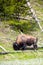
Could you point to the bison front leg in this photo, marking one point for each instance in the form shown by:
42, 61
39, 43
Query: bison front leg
24, 46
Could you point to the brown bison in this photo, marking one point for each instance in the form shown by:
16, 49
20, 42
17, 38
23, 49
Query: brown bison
24, 40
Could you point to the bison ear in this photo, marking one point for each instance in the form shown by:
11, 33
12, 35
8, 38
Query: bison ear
15, 46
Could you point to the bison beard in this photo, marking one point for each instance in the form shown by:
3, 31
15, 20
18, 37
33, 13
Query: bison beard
25, 40
21, 46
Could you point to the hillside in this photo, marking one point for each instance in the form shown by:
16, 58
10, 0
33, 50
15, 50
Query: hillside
9, 30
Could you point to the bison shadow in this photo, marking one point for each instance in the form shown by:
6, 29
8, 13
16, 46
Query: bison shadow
27, 48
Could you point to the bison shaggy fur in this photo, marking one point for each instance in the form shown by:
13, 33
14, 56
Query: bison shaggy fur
24, 40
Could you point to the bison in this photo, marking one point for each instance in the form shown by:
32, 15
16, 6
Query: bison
24, 40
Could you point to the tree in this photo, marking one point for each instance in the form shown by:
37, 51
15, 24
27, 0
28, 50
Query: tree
10, 7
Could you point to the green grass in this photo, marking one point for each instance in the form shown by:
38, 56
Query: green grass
8, 33
22, 55
31, 54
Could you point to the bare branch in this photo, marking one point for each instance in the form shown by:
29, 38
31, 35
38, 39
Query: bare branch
34, 14
3, 48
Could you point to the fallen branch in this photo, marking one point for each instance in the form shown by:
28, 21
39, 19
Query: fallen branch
3, 49
21, 17
25, 51
34, 14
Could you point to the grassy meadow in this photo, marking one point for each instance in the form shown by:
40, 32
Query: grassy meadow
8, 35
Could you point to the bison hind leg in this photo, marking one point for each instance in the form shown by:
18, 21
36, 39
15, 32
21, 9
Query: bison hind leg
35, 47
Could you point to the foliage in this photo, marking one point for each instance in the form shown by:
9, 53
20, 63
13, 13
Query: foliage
16, 7
40, 1
23, 25
12, 6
